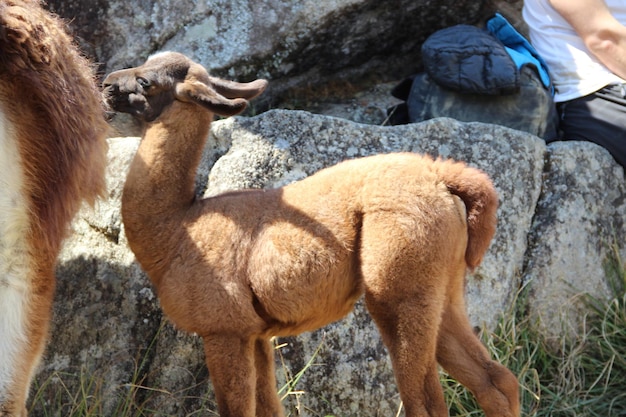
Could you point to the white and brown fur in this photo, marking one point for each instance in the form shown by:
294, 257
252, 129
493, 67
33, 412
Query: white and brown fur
52, 157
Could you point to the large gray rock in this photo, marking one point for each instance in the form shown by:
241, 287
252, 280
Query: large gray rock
560, 207
578, 235
296, 44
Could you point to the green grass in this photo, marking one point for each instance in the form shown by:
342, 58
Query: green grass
585, 376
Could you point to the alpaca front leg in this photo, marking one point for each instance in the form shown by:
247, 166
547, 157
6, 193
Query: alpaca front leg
267, 401
231, 367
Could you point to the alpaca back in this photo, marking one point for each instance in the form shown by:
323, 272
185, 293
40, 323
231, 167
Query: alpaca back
395, 174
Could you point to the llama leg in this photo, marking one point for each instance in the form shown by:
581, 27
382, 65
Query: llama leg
462, 354
267, 401
409, 330
24, 322
13, 343
25, 299
231, 367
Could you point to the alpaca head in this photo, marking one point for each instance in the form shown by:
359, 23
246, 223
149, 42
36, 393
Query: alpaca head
146, 91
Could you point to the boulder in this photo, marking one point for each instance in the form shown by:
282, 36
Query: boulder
560, 221
298, 45
577, 236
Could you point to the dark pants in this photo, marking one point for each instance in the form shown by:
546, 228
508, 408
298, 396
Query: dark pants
600, 118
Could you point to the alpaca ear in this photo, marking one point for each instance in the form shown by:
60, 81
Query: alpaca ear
232, 89
203, 95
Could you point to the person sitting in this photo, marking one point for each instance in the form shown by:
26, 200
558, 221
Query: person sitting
584, 45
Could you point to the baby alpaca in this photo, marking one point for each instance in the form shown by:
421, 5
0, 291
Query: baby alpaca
244, 266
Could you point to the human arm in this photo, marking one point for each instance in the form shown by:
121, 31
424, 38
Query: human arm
603, 35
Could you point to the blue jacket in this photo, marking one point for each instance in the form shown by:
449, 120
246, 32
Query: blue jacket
471, 60
518, 48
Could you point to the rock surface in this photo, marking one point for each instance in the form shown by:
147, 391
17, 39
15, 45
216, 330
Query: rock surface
296, 44
557, 222
577, 236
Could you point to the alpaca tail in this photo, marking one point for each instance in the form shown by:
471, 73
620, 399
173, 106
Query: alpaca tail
476, 190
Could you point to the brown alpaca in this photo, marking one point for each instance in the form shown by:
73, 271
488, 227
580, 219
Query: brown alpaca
52, 157
244, 266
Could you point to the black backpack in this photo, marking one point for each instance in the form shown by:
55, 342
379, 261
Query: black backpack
470, 75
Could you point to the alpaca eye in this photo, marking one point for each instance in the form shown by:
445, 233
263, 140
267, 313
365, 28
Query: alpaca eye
143, 82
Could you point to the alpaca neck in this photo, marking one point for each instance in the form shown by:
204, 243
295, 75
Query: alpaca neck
160, 185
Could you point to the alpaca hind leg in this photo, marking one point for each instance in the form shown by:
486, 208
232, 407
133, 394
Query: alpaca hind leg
231, 367
267, 401
404, 278
409, 330
462, 355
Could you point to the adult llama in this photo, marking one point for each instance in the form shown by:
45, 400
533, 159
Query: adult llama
52, 158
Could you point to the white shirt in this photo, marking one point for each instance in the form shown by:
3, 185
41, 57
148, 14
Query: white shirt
574, 70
